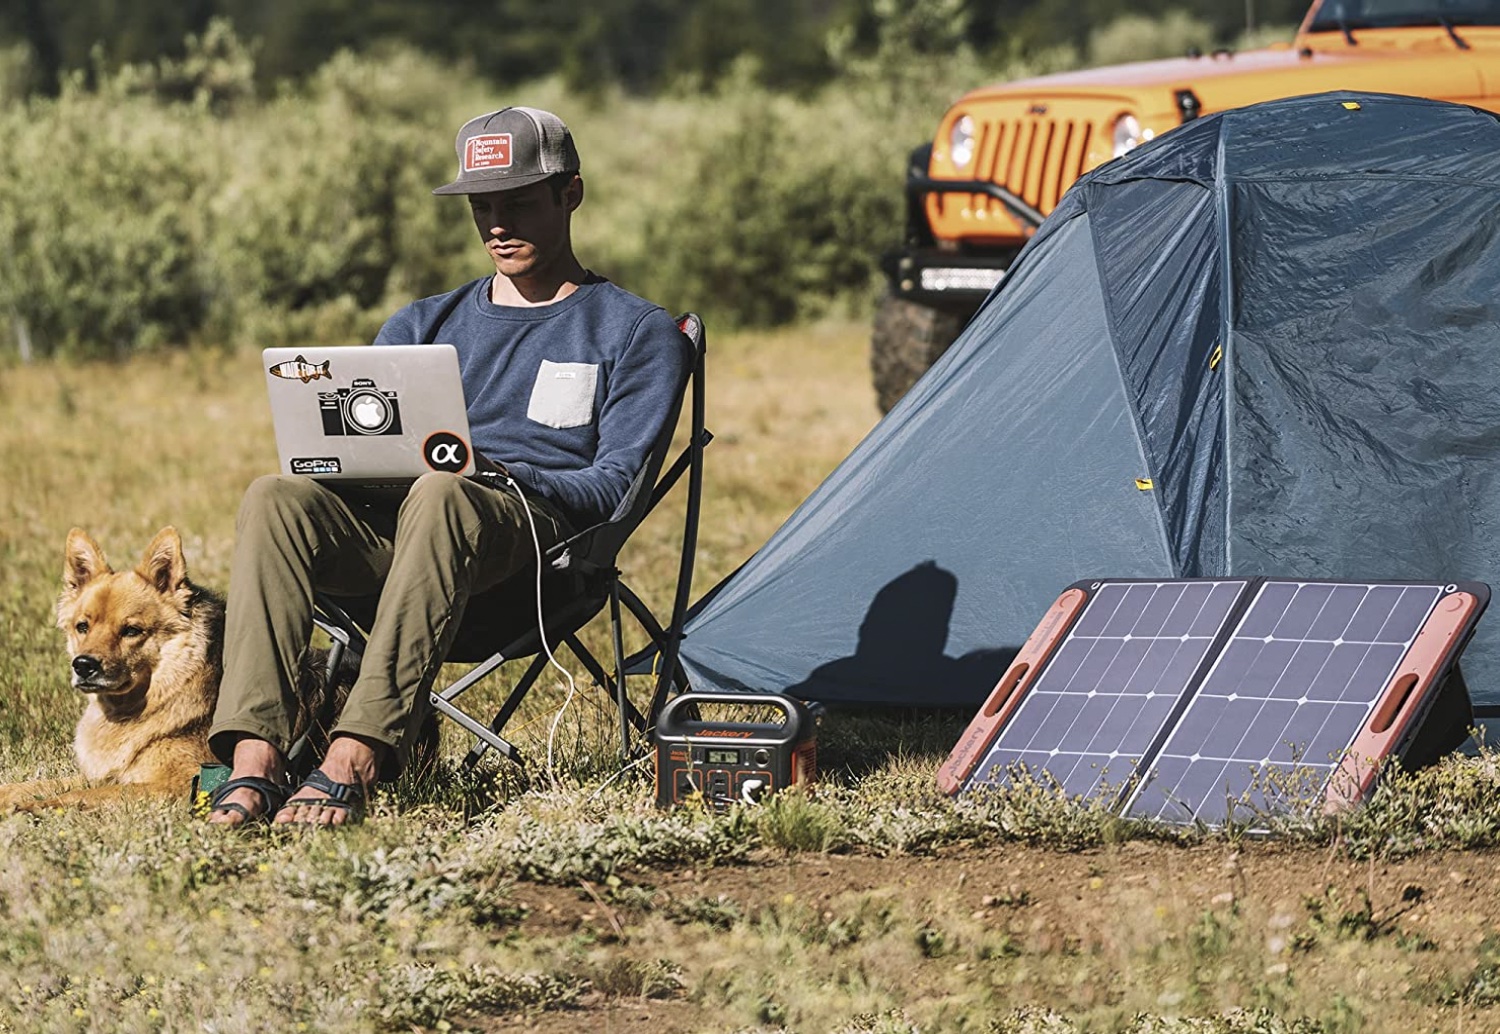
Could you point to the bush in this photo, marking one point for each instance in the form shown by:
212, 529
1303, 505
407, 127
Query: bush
783, 211
99, 231
167, 205
325, 221
1135, 37
216, 72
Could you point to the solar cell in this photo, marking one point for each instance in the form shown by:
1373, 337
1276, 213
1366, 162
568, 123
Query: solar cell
1215, 700
1113, 683
1298, 679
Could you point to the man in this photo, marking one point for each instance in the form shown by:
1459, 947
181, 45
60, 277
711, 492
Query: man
568, 381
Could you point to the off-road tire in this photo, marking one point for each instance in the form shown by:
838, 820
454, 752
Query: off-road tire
907, 339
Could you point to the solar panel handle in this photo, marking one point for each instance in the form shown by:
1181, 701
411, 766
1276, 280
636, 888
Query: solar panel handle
1006, 696
1430, 654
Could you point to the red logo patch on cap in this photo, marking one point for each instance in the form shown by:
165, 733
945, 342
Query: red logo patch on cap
491, 151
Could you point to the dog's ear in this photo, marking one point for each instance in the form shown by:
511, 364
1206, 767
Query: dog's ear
163, 565
83, 560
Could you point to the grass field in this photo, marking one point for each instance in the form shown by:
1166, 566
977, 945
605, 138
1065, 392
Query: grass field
493, 902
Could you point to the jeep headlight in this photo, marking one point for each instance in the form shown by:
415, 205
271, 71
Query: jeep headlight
961, 142
1128, 134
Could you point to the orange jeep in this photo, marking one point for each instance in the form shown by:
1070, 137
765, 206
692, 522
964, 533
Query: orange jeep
1004, 155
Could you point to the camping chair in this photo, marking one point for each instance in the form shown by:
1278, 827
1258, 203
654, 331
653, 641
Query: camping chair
579, 579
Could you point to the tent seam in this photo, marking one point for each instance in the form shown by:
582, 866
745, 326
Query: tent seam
1226, 364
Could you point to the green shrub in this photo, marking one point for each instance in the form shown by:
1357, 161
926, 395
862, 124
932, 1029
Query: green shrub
1136, 37
130, 219
99, 225
792, 821
167, 204
785, 211
325, 220
217, 71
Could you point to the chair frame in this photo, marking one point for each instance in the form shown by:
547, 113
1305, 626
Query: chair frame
567, 619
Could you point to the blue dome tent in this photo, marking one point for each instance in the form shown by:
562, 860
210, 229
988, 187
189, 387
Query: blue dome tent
1267, 343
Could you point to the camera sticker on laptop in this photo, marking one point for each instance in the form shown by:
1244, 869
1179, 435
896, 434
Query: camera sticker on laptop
360, 409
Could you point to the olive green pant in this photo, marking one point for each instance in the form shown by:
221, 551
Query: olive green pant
449, 538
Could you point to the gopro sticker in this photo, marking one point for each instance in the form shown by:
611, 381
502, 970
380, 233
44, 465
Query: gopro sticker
316, 465
491, 151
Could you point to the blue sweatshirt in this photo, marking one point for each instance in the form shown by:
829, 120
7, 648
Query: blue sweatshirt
569, 396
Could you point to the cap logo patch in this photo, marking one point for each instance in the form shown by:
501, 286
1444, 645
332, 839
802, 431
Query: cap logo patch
491, 151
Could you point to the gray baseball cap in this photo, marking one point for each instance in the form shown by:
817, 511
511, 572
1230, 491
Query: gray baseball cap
509, 148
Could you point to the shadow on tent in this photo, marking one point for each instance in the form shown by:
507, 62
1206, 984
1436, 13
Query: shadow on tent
903, 638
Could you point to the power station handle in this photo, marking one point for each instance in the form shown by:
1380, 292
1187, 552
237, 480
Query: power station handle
670, 723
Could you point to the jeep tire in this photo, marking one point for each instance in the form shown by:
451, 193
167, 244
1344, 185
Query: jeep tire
908, 338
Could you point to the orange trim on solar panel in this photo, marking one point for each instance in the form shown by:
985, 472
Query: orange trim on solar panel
1008, 692
1424, 660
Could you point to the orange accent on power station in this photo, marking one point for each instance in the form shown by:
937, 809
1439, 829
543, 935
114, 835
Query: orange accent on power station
1007, 694
1440, 635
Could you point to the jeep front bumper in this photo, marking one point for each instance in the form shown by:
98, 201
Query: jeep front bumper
945, 279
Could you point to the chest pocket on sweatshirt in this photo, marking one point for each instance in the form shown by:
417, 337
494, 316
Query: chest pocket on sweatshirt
563, 395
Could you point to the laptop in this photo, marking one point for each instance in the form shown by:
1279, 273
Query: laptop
368, 416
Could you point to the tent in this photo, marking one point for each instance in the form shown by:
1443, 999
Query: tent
1267, 343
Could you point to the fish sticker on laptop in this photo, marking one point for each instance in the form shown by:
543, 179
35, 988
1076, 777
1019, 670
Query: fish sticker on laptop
299, 369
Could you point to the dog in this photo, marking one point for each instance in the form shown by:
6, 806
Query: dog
146, 648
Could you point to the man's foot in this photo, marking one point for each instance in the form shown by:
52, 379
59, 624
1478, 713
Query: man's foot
255, 761
350, 761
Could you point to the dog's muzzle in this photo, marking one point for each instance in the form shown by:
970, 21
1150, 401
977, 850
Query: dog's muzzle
86, 671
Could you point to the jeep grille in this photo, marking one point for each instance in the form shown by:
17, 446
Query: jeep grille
1034, 157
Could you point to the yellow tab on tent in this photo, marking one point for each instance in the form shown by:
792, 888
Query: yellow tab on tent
1213, 360
1145, 484
1351, 105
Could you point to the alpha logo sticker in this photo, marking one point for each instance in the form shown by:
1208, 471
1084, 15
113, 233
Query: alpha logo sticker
491, 151
444, 450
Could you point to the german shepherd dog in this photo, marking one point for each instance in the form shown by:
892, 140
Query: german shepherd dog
146, 647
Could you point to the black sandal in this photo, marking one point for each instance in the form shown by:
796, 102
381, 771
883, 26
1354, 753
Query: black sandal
272, 796
348, 796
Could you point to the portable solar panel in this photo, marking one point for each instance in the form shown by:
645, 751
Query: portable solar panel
1206, 700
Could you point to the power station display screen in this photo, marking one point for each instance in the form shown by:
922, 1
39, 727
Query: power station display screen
721, 757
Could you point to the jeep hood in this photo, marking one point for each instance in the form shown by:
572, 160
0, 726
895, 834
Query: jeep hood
1231, 80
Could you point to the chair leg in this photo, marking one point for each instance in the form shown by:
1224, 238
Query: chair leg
622, 700
665, 679
632, 716
489, 737
345, 638
480, 732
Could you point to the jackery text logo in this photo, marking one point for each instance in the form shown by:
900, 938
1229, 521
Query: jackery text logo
491, 151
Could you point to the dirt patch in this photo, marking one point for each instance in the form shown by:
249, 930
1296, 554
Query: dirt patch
1134, 928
